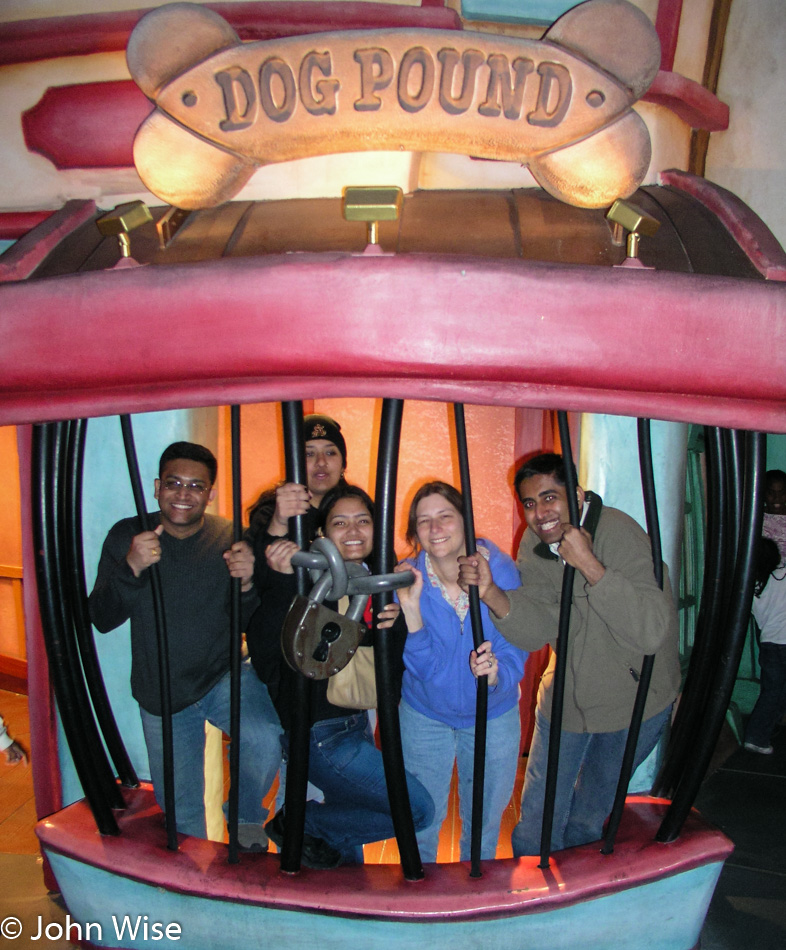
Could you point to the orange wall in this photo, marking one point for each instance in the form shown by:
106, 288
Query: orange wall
12, 641
428, 451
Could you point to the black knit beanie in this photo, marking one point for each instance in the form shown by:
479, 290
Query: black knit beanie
316, 426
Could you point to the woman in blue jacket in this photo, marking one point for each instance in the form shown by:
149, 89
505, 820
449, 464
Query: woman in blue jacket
437, 709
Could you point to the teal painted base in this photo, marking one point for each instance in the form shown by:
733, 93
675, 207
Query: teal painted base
663, 915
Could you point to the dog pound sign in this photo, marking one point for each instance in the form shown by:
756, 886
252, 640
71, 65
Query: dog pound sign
561, 105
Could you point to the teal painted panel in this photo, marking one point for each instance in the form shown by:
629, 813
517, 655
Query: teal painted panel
665, 915
516, 11
610, 466
776, 451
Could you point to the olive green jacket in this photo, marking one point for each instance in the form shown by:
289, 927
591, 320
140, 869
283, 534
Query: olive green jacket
613, 625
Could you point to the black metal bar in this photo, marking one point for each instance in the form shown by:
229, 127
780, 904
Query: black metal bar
561, 661
163, 640
482, 695
733, 453
45, 489
99, 761
735, 629
235, 634
81, 617
708, 627
300, 726
650, 499
653, 529
387, 701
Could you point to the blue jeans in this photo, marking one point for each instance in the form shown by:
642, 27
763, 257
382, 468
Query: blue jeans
589, 766
260, 751
346, 765
771, 704
431, 747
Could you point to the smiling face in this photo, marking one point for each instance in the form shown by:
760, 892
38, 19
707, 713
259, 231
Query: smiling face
775, 497
545, 503
440, 527
324, 466
183, 492
350, 527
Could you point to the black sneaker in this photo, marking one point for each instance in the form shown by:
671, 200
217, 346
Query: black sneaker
316, 853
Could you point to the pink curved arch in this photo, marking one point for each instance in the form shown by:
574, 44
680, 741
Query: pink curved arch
633, 342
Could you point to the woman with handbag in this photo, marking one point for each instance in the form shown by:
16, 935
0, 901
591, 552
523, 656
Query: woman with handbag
344, 762
437, 710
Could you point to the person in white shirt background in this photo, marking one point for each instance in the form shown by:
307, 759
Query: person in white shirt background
14, 753
769, 610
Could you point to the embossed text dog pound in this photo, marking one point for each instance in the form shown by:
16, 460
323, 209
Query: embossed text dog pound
562, 105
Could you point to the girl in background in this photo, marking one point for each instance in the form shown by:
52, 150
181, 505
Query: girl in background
769, 609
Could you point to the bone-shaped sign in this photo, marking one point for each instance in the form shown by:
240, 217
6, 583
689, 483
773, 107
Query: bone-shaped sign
562, 105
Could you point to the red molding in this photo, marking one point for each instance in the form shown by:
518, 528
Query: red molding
694, 104
13, 666
467, 329
13, 674
27, 41
20, 260
667, 26
15, 224
745, 226
90, 125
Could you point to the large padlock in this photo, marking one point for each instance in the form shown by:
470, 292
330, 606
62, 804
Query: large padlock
315, 640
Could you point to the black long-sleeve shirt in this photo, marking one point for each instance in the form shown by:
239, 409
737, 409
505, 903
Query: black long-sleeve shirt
196, 587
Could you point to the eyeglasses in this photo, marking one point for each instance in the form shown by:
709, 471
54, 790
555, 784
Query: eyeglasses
195, 488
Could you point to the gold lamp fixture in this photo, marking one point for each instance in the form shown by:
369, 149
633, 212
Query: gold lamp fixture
124, 219
372, 204
625, 216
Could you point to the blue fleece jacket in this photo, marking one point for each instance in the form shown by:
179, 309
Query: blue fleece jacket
438, 681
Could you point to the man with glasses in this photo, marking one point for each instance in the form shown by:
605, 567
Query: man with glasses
196, 559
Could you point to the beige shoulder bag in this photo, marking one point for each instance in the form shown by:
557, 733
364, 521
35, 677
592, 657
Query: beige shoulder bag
355, 686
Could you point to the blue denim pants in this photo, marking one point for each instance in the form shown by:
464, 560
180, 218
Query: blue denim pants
260, 751
346, 765
589, 767
430, 749
771, 704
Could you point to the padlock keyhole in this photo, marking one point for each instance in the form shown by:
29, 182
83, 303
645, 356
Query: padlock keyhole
330, 633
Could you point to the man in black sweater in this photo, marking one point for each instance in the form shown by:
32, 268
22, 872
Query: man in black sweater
196, 559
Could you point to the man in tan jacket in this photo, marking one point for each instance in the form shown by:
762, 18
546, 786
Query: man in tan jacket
618, 616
